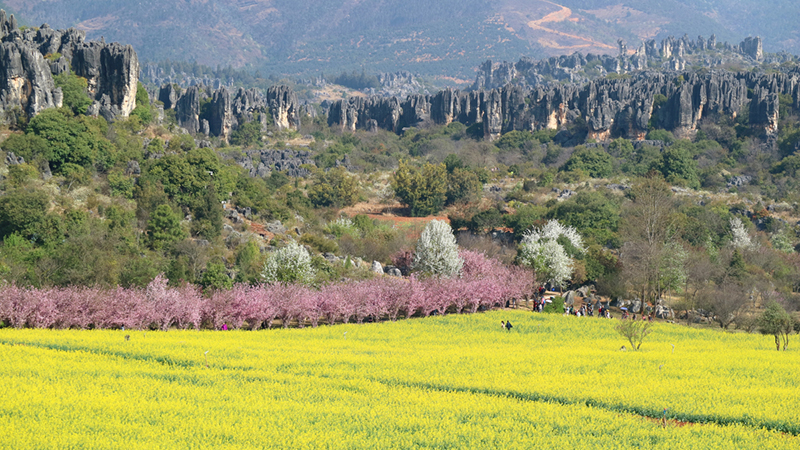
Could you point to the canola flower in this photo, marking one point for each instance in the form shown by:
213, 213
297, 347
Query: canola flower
457, 381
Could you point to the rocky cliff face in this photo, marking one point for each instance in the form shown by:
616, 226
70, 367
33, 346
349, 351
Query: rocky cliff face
221, 120
153, 74
112, 72
227, 110
284, 107
26, 81
26, 84
764, 111
168, 95
753, 48
187, 109
609, 107
671, 54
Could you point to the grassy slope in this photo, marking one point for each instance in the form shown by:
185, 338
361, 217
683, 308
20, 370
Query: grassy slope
457, 381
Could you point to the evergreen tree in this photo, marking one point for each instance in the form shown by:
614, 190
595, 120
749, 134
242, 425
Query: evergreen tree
164, 228
207, 221
216, 277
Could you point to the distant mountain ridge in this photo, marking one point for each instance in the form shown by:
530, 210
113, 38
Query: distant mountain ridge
443, 37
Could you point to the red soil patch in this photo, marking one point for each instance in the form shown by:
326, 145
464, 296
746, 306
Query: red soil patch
408, 220
393, 212
259, 229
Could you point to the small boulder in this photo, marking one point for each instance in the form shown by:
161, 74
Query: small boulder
133, 168
276, 227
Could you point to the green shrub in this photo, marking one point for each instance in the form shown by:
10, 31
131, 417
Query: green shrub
319, 243
142, 110
661, 135
77, 140
514, 140
462, 186
247, 135
678, 166
207, 215
423, 189
19, 174
75, 93
216, 277
121, 184
486, 220
335, 188
23, 212
596, 163
363, 223
28, 146
557, 307
342, 226
74, 175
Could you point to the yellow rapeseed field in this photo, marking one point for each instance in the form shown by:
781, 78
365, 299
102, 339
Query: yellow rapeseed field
442, 382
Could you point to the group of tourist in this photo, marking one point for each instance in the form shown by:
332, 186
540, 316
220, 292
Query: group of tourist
625, 315
587, 309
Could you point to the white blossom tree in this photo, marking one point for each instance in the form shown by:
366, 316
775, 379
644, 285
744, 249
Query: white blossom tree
541, 251
672, 273
782, 241
741, 239
290, 264
436, 252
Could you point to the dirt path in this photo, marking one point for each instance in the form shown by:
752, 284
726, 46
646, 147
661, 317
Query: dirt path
559, 16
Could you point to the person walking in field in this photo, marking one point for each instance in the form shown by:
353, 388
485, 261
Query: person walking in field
509, 326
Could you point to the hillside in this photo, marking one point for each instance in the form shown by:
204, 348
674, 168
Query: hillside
445, 37
290, 36
595, 25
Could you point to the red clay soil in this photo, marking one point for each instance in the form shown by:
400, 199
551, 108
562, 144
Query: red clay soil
392, 212
259, 229
255, 227
401, 220
395, 213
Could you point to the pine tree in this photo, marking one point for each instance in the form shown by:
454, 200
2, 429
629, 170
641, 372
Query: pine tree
207, 221
164, 228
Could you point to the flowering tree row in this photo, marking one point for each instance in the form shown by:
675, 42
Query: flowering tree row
483, 283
